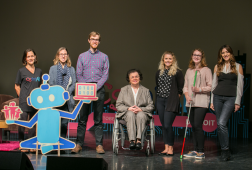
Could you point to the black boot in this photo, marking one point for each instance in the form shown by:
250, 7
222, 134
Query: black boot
225, 155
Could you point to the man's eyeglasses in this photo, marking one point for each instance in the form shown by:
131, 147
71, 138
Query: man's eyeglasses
94, 39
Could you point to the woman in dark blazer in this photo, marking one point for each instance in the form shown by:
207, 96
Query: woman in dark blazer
135, 106
63, 74
169, 82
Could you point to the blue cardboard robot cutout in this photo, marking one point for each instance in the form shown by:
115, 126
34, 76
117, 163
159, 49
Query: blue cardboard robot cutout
48, 119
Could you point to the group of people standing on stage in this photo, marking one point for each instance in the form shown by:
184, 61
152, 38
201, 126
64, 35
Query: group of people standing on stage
92, 66
134, 103
226, 89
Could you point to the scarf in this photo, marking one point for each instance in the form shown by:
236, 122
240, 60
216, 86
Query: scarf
63, 75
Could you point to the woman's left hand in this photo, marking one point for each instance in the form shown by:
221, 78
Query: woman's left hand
195, 89
137, 109
237, 107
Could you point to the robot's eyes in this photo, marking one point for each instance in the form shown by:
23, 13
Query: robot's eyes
51, 97
40, 99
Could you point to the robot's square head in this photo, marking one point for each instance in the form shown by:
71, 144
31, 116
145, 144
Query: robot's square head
46, 96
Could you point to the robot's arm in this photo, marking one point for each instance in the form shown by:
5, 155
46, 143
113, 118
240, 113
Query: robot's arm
75, 112
28, 124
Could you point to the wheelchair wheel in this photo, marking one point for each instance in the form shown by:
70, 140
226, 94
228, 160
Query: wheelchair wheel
115, 137
116, 150
113, 141
147, 151
152, 138
116, 144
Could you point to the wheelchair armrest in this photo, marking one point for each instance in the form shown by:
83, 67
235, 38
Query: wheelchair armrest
123, 122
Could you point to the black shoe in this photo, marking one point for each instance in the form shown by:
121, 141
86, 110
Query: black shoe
170, 154
138, 146
132, 145
162, 153
225, 155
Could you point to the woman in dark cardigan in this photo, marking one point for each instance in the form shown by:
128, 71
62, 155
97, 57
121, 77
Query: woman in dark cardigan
170, 82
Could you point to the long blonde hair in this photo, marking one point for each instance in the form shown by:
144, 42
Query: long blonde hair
56, 59
174, 67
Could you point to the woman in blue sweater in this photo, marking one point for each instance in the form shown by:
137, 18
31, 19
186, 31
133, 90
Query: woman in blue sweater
63, 74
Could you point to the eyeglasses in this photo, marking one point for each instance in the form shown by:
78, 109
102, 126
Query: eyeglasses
136, 77
195, 55
94, 39
62, 55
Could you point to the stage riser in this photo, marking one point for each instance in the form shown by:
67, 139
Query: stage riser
14, 161
83, 163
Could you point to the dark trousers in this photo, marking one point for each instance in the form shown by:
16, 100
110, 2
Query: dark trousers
98, 110
224, 107
21, 129
64, 122
197, 116
166, 119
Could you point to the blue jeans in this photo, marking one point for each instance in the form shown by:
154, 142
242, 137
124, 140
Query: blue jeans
224, 107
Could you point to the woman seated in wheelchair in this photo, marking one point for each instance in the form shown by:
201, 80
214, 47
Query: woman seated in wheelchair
135, 106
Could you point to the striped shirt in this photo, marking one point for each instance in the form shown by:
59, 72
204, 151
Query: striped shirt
92, 67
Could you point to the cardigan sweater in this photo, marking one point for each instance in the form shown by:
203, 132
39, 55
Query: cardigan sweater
71, 86
203, 81
173, 104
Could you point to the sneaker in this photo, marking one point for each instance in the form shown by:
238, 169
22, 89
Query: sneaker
191, 154
200, 155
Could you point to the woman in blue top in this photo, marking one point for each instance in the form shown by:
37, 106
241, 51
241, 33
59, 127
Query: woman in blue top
63, 74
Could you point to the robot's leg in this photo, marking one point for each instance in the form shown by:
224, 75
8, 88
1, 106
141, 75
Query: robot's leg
46, 148
29, 143
64, 144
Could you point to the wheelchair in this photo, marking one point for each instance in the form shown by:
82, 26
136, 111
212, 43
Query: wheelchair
119, 134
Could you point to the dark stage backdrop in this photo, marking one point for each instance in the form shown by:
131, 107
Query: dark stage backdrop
134, 33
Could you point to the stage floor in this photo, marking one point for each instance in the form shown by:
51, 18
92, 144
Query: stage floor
126, 159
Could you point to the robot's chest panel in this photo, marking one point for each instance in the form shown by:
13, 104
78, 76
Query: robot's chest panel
48, 126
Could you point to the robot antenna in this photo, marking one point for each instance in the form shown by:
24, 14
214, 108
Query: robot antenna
45, 78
